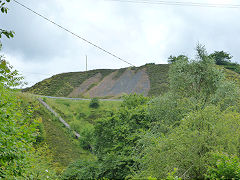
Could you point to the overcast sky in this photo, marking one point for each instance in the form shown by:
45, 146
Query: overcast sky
137, 33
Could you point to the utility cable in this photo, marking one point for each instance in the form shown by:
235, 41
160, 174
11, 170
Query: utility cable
74, 34
178, 3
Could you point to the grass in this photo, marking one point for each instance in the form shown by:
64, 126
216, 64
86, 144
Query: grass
63, 84
119, 73
78, 114
158, 75
60, 141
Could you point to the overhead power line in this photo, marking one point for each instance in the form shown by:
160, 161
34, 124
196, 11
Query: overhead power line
74, 34
179, 3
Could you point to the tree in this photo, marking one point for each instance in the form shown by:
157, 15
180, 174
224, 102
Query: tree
195, 118
173, 59
8, 34
94, 103
221, 57
8, 76
188, 146
115, 139
196, 79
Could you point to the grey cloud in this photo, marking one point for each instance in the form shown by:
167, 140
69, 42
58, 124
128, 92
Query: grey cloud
124, 29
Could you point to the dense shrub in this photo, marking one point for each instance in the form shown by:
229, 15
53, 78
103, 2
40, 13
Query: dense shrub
19, 131
198, 116
188, 146
223, 166
94, 103
115, 137
82, 170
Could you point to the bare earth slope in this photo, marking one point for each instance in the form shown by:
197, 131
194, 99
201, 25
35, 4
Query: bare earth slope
129, 82
150, 79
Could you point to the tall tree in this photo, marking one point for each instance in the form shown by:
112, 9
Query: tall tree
221, 57
173, 59
196, 79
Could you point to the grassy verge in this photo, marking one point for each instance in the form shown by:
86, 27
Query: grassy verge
78, 114
62, 145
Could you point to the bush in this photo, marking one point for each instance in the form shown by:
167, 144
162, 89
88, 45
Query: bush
87, 137
94, 103
82, 170
188, 146
223, 166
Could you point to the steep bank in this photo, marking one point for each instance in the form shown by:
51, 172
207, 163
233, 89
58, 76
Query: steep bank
150, 79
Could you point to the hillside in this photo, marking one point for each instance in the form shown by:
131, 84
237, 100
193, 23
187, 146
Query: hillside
150, 80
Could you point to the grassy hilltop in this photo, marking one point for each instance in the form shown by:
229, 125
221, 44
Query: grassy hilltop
95, 81
150, 80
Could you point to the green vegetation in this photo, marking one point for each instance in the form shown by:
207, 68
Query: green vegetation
94, 103
63, 84
119, 73
158, 76
191, 131
74, 110
114, 139
64, 148
224, 59
177, 135
23, 155
81, 117
202, 109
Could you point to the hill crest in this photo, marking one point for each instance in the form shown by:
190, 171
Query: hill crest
150, 79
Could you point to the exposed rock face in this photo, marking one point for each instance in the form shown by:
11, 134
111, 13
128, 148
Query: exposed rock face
77, 92
129, 82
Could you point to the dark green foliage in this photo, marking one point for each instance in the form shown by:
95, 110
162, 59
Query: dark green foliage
233, 66
82, 170
115, 137
188, 146
198, 116
221, 57
174, 59
132, 101
94, 103
22, 153
224, 59
87, 138
166, 111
